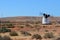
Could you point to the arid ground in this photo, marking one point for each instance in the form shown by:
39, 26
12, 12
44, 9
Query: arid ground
32, 25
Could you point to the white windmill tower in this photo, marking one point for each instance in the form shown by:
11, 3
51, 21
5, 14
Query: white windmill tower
45, 19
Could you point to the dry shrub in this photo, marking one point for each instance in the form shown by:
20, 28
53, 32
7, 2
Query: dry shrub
37, 36
25, 33
56, 38
1, 37
5, 38
22, 26
10, 25
57, 26
49, 35
27, 24
46, 30
13, 33
54, 30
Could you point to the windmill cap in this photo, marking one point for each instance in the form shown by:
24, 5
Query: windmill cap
44, 14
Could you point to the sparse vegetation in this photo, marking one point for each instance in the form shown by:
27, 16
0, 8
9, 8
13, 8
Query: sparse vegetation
10, 25
5, 38
54, 30
37, 27
38, 22
57, 26
22, 26
49, 35
56, 38
37, 36
27, 24
46, 31
58, 22
4, 29
29, 28
25, 33
1, 37
44, 26
7, 24
13, 33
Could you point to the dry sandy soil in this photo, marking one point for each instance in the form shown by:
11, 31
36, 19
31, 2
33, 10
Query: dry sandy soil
34, 23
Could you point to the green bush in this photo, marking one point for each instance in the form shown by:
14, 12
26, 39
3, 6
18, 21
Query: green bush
13, 33
4, 29
49, 35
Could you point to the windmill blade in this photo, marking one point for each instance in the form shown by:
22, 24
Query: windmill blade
41, 13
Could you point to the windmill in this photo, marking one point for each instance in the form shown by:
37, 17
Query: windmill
45, 19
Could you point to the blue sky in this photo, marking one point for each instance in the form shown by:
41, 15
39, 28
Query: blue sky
29, 7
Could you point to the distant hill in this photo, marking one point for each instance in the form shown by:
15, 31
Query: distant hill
27, 18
